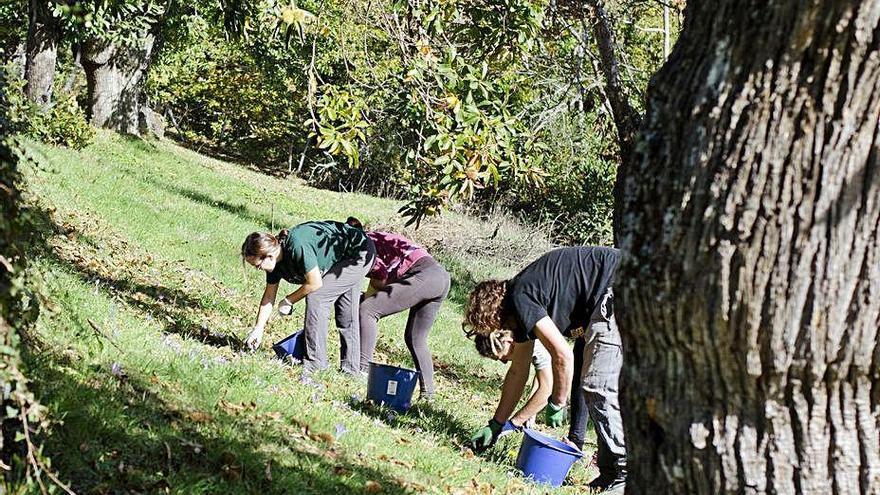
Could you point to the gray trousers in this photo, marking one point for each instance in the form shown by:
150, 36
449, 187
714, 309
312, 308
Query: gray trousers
603, 358
421, 290
341, 288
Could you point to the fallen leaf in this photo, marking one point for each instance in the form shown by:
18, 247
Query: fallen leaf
199, 417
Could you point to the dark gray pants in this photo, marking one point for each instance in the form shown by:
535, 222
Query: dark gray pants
341, 287
421, 290
603, 358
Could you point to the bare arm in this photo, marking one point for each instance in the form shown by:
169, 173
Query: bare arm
538, 400
562, 358
514, 381
266, 303
256, 336
313, 282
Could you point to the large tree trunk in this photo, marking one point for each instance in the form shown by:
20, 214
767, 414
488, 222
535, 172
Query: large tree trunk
750, 284
42, 51
115, 78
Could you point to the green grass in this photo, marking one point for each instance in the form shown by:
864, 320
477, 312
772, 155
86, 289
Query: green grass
134, 353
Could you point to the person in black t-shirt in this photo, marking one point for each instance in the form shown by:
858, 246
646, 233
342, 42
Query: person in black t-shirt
565, 293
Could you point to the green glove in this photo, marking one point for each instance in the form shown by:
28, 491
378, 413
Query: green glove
485, 437
554, 415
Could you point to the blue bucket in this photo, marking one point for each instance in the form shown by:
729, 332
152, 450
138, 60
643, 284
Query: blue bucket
545, 459
294, 345
391, 386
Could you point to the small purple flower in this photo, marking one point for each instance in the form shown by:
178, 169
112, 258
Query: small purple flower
340, 430
116, 369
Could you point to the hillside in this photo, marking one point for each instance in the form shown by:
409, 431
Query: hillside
145, 298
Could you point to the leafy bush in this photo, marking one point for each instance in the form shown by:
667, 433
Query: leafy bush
436, 102
228, 100
63, 123
20, 414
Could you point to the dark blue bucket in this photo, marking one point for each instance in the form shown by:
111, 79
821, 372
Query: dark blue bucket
294, 345
545, 459
391, 386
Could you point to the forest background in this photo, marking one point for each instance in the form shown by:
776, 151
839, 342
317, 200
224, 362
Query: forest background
488, 105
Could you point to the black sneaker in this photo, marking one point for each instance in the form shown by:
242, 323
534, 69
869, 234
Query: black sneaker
609, 483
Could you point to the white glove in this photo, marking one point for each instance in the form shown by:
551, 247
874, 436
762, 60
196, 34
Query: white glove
285, 307
254, 338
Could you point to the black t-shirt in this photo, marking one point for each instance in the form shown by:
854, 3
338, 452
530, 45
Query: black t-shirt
565, 284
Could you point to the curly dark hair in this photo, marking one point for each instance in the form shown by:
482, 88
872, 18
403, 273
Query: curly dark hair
486, 308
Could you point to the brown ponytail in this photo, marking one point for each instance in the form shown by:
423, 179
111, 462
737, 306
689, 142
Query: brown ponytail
261, 243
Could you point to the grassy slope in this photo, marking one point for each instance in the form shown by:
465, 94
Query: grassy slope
138, 243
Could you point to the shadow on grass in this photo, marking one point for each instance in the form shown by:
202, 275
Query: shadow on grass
219, 152
119, 436
238, 210
460, 373
421, 416
171, 306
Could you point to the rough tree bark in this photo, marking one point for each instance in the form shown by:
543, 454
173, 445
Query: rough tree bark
750, 283
115, 78
43, 36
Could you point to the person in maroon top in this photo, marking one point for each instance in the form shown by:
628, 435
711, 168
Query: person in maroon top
404, 276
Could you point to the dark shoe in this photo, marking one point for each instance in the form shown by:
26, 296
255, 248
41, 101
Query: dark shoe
609, 483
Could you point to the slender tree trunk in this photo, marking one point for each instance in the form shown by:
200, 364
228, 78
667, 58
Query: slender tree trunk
666, 35
750, 283
115, 78
43, 36
626, 119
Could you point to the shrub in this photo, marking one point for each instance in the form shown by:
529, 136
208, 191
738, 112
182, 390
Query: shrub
63, 123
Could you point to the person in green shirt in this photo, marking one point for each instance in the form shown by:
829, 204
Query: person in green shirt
328, 260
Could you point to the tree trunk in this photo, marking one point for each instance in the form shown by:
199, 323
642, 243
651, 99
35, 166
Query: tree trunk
750, 283
115, 78
42, 51
626, 119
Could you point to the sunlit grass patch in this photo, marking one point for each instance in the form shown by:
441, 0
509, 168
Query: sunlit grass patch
137, 354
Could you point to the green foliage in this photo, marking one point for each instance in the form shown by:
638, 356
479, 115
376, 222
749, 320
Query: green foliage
340, 123
63, 123
435, 102
223, 97
21, 416
13, 26
110, 21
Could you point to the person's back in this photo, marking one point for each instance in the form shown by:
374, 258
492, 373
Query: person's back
565, 284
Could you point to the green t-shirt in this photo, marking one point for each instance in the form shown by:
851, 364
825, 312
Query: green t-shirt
316, 244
